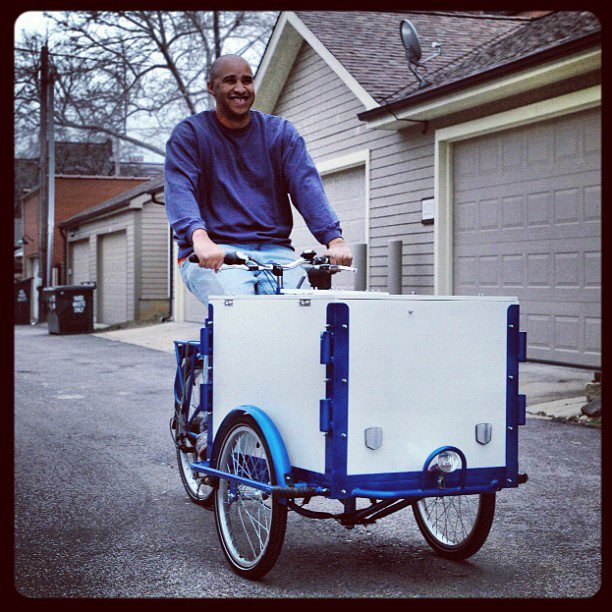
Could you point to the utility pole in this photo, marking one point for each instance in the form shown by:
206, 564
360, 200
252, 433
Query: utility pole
216, 31
42, 192
50, 173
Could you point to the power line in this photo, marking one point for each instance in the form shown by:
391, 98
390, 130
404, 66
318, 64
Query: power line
95, 59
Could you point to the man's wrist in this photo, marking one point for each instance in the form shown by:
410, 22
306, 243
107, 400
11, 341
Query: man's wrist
200, 235
337, 240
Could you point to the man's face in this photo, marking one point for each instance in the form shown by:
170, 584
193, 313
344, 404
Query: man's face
233, 88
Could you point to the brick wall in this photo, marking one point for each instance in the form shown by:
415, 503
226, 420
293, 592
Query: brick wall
72, 195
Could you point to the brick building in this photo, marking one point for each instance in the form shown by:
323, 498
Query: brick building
73, 194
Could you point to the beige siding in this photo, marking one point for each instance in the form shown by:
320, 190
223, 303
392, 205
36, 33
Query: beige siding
154, 253
324, 111
94, 230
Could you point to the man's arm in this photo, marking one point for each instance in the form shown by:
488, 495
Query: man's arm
181, 177
306, 190
208, 252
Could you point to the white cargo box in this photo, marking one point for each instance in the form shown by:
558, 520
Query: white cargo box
426, 370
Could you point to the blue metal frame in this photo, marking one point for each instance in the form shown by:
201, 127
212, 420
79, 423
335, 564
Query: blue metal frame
335, 482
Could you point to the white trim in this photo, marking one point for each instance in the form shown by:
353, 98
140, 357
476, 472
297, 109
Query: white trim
179, 294
443, 160
533, 78
345, 162
282, 37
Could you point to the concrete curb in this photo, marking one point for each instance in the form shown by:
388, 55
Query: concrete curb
563, 408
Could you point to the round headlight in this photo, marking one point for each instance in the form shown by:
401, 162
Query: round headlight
448, 461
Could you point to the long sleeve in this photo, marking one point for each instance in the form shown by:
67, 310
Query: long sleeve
306, 188
182, 172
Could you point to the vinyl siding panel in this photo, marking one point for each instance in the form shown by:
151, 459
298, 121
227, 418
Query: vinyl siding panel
154, 253
324, 111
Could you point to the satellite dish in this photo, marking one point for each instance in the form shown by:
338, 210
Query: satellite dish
410, 40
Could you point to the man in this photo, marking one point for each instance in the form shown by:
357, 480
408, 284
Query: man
227, 175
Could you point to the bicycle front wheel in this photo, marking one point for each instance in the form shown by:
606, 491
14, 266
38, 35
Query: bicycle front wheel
250, 523
455, 526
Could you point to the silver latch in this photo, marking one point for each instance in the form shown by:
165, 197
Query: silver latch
228, 302
373, 437
304, 302
483, 433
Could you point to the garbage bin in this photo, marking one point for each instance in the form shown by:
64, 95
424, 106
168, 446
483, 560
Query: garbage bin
23, 297
69, 308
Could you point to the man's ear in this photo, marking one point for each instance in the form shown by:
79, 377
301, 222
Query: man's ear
209, 85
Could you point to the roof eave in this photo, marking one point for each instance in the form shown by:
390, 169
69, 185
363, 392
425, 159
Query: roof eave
556, 52
282, 49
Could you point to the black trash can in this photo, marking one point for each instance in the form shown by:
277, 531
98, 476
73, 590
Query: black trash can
69, 308
23, 299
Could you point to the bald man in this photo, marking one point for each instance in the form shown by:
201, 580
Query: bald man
228, 173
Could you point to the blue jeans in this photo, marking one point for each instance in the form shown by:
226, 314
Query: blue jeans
203, 282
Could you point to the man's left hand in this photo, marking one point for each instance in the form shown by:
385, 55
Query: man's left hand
339, 252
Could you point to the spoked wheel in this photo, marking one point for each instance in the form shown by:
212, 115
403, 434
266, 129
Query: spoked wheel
250, 523
455, 526
198, 492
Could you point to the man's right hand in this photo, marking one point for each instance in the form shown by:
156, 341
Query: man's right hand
210, 254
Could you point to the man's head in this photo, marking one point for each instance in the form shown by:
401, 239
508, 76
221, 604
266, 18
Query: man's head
230, 82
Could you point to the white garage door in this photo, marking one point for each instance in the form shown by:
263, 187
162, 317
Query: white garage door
112, 279
345, 191
79, 262
527, 222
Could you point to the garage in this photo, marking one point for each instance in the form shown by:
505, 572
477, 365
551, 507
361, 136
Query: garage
527, 222
112, 278
346, 192
79, 262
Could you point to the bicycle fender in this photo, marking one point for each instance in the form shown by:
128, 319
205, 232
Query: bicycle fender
280, 458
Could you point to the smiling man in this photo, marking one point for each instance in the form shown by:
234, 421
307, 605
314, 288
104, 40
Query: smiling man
228, 176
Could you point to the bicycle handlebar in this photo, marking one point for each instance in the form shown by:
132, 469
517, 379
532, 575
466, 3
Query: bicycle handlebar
239, 259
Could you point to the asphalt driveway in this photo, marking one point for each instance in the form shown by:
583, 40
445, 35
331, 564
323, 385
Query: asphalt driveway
100, 510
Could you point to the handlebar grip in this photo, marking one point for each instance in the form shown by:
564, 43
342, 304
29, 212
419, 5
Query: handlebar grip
235, 258
232, 258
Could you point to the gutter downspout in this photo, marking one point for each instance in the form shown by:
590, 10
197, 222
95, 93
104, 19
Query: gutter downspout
64, 275
170, 269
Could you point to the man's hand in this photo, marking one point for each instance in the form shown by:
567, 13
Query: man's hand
339, 253
210, 254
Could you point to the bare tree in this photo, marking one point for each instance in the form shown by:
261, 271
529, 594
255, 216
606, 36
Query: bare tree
116, 70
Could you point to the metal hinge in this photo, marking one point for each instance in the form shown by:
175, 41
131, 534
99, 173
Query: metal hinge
326, 348
325, 409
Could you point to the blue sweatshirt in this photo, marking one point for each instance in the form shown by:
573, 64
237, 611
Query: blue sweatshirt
234, 183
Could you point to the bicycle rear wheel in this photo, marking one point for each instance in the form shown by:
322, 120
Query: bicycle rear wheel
198, 492
455, 526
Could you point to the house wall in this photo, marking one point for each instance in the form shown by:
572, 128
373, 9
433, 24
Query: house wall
72, 195
147, 255
324, 111
153, 261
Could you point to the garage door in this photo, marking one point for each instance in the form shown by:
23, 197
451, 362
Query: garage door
527, 222
345, 191
112, 279
79, 262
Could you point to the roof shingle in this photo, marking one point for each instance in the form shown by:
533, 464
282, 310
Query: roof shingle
368, 44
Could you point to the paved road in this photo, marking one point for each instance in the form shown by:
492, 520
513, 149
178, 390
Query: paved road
100, 511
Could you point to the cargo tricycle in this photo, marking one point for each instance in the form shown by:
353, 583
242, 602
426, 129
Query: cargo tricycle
377, 401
